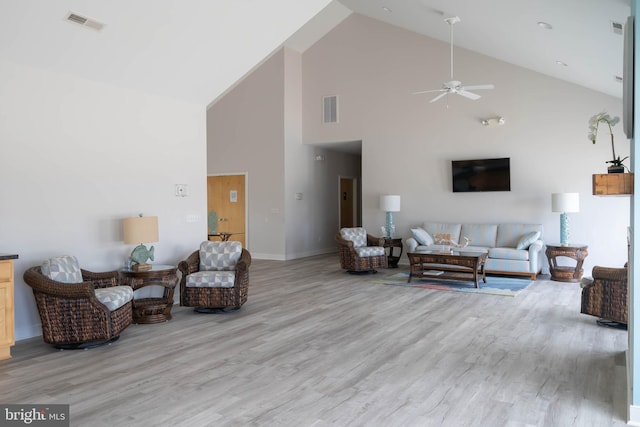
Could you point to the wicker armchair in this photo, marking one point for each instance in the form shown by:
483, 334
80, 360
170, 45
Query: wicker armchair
72, 314
216, 277
606, 296
360, 252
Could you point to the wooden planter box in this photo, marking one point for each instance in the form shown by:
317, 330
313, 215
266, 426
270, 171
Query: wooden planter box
612, 184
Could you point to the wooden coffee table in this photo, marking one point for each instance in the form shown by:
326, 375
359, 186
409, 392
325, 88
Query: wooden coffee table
456, 265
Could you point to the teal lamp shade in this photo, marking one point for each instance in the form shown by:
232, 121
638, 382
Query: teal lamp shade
565, 203
390, 203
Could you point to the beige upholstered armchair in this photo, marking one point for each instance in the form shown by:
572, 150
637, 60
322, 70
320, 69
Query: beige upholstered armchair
360, 252
78, 308
605, 296
215, 278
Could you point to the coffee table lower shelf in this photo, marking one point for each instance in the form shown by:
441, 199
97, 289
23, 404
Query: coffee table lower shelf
456, 266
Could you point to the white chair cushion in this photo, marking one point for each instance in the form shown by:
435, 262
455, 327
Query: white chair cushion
369, 251
62, 269
217, 256
115, 296
211, 279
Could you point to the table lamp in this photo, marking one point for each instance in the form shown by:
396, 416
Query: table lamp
564, 203
140, 229
390, 204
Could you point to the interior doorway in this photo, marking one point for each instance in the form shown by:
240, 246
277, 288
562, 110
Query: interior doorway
349, 202
227, 207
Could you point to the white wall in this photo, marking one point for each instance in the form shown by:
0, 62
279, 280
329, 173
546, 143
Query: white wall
257, 128
408, 143
76, 157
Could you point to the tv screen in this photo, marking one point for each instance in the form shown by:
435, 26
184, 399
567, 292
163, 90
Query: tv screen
481, 175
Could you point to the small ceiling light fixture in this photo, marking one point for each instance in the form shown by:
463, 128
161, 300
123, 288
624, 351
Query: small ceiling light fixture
386, 9
561, 63
545, 25
493, 121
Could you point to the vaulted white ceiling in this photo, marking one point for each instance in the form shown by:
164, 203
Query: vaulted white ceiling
195, 50
508, 30
187, 49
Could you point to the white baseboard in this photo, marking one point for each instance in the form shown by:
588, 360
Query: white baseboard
29, 331
305, 254
634, 415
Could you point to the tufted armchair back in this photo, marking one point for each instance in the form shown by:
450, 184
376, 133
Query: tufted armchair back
357, 235
219, 256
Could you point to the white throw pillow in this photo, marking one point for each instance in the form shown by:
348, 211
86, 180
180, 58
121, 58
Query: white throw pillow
527, 239
422, 236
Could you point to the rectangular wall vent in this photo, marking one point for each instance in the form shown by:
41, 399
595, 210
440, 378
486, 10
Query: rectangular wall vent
84, 21
619, 79
330, 109
616, 27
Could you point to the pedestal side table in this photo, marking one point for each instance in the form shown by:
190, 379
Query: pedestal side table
155, 309
562, 273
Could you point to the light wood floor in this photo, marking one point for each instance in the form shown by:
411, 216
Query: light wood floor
315, 346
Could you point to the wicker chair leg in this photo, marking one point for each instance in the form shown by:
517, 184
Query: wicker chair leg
611, 324
86, 345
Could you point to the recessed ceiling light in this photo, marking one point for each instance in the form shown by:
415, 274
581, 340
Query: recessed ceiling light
564, 64
545, 25
386, 9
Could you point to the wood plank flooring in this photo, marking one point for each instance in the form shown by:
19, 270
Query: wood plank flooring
315, 346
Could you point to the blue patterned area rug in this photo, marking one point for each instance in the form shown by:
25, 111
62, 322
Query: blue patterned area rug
506, 286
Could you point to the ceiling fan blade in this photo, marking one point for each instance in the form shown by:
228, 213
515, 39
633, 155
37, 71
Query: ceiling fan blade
427, 91
477, 87
438, 97
468, 94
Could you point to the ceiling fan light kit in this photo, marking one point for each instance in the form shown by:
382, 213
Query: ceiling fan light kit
455, 86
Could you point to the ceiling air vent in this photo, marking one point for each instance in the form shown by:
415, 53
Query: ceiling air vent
617, 27
84, 21
330, 109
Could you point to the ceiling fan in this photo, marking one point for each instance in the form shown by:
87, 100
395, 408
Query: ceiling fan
455, 86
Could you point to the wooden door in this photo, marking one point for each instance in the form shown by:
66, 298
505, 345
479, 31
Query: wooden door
347, 203
226, 197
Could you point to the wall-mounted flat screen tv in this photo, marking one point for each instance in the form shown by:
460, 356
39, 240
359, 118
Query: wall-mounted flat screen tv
481, 175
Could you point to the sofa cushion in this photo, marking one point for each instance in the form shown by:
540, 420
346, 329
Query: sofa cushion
114, 297
211, 279
434, 228
509, 253
62, 269
421, 236
480, 234
509, 234
527, 239
357, 235
216, 256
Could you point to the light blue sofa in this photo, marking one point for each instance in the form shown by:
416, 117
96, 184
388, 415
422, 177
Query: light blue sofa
511, 248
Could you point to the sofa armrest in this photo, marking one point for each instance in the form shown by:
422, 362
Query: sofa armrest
535, 257
411, 243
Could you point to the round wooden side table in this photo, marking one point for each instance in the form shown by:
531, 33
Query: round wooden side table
562, 273
156, 309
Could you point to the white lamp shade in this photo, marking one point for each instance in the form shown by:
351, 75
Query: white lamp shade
565, 202
390, 203
141, 229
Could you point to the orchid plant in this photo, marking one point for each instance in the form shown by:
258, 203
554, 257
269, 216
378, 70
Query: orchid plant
594, 122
